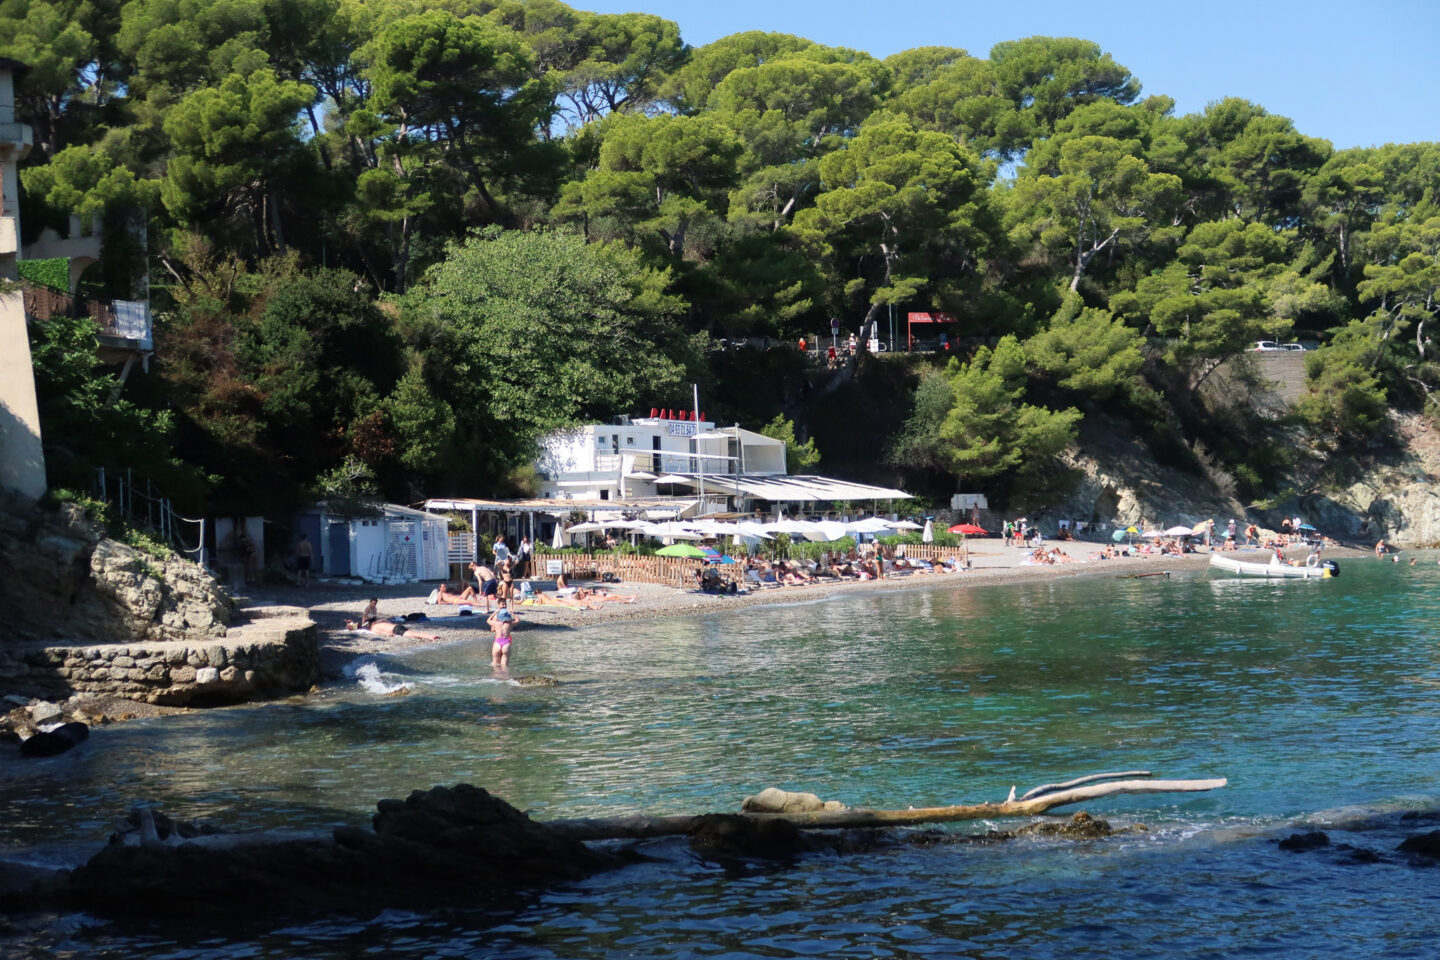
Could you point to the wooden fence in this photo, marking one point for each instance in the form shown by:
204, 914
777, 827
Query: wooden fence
669, 571
935, 553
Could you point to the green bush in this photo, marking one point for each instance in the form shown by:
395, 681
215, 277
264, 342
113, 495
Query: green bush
96, 511
943, 538
53, 273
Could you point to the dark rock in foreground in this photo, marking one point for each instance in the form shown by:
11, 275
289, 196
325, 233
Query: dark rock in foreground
1299, 842
1422, 844
441, 846
52, 742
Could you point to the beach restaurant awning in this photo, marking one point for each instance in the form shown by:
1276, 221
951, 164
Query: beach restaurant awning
787, 488
915, 318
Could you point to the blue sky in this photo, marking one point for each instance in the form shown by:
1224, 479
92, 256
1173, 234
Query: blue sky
1357, 73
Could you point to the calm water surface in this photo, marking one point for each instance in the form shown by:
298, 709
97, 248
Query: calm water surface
1319, 701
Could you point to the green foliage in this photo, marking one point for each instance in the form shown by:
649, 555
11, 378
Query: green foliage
543, 331
1344, 400
918, 447
349, 489
53, 273
1103, 199
904, 206
800, 458
942, 538
1090, 352
96, 511
84, 420
989, 431
277, 151
814, 550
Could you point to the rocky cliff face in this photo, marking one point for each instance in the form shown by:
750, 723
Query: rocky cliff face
63, 580
1396, 496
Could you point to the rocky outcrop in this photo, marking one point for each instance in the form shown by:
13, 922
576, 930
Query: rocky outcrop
64, 580
438, 847
1119, 483
93, 616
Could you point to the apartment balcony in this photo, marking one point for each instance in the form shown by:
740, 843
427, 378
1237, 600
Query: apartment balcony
125, 328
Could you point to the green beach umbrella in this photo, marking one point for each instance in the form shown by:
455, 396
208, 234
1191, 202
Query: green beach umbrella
679, 550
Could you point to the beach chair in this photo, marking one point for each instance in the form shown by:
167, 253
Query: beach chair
753, 579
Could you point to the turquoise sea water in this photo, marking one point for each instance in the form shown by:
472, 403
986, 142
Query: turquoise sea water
1320, 701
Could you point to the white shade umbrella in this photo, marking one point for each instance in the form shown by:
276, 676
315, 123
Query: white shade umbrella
1178, 531
869, 525
587, 527
791, 528
929, 535
826, 530
902, 525
672, 530
714, 528
558, 542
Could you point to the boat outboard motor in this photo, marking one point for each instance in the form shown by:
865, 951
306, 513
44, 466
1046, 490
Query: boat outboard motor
1332, 566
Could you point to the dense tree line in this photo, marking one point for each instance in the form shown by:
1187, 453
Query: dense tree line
394, 241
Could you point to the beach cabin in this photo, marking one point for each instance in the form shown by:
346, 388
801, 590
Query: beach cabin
397, 544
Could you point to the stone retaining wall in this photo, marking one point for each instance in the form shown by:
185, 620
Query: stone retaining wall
270, 657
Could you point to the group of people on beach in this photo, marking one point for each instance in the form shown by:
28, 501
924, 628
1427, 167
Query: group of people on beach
866, 562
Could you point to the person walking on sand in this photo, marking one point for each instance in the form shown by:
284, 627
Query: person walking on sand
486, 584
304, 551
501, 621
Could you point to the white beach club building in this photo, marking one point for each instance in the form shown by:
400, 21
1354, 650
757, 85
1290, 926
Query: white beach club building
671, 453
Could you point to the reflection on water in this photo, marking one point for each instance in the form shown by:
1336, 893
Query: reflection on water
1307, 695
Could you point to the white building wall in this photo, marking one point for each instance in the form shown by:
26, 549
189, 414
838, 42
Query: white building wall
22, 459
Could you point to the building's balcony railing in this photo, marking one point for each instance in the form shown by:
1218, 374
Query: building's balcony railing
127, 320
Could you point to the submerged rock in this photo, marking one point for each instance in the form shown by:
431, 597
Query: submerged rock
1299, 842
1422, 844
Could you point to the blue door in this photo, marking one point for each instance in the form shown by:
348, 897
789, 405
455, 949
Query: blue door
338, 552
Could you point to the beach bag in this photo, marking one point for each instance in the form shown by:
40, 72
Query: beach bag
434, 596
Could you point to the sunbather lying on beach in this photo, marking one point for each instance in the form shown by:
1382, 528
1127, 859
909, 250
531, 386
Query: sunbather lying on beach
387, 629
601, 595
576, 598
443, 595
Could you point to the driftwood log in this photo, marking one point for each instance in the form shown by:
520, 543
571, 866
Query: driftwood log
1034, 802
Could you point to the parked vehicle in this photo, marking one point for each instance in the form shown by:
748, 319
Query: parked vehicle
1266, 345
1292, 346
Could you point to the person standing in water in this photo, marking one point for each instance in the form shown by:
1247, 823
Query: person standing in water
501, 621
